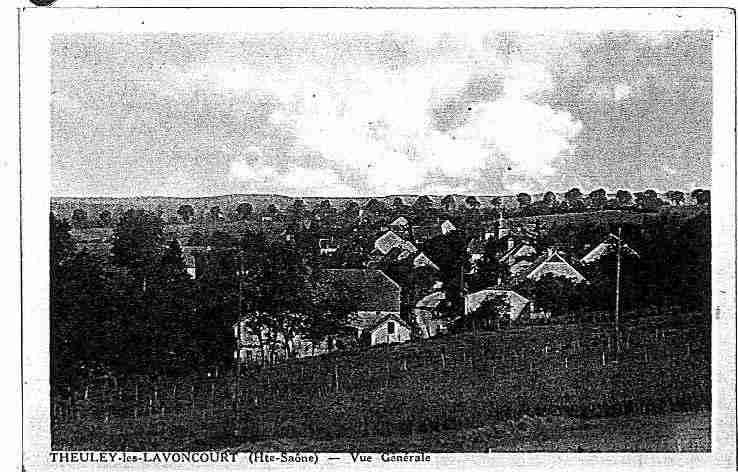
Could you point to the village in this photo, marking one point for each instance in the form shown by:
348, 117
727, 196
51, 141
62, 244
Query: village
414, 269
233, 316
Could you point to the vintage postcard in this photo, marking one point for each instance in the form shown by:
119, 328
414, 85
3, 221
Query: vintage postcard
351, 238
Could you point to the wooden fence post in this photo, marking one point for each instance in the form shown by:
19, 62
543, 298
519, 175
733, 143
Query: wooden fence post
135, 403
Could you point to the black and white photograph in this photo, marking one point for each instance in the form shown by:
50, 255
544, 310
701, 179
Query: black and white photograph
328, 236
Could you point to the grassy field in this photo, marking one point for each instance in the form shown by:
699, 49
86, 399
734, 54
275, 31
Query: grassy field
522, 389
675, 431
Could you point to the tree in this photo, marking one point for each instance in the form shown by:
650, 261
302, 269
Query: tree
488, 315
277, 294
329, 312
423, 203
573, 194
489, 269
216, 213
472, 202
137, 243
550, 199
244, 210
648, 200
324, 206
624, 197
556, 295
375, 207
597, 199
350, 210
186, 212
524, 199
675, 196
197, 239
79, 218
448, 252
106, 218
272, 210
222, 240
702, 197
61, 244
449, 203
573, 199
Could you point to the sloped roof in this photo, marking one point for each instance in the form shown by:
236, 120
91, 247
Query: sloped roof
431, 301
522, 249
400, 221
516, 302
447, 227
555, 265
372, 290
520, 268
404, 255
409, 247
372, 320
608, 246
387, 241
421, 260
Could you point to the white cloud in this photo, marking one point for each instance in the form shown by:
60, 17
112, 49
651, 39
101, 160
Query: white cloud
376, 123
621, 91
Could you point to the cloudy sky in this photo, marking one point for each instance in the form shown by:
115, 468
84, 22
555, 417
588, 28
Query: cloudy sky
374, 114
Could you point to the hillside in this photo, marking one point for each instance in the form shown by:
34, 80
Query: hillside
427, 390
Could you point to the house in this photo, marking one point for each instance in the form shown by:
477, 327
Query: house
390, 241
387, 241
447, 227
377, 328
552, 262
192, 256
327, 246
432, 321
421, 260
377, 317
517, 304
428, 315
607, 247
400, 224
375, 321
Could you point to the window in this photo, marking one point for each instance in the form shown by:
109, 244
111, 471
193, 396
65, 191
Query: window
391, 327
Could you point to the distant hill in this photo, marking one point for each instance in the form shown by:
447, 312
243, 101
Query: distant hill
168, 206
64, 206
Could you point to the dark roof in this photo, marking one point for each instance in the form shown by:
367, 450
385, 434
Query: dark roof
511, 256
608, 246
551, 262
372, 290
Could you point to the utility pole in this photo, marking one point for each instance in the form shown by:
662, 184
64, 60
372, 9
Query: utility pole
236, 403
617, 291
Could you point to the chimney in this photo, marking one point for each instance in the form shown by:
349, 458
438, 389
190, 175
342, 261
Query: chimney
510, 243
